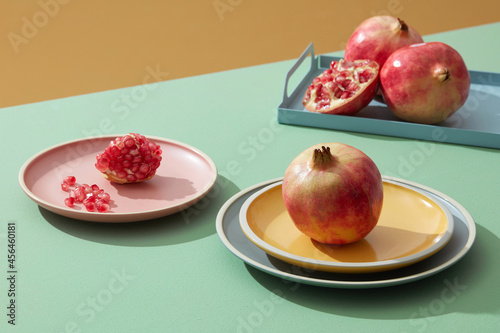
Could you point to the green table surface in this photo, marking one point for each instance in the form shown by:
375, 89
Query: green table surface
174, 274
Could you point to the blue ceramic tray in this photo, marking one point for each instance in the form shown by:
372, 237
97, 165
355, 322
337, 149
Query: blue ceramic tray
477, 123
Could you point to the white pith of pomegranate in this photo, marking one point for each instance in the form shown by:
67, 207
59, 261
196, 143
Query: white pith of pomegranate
344, 89
425, 83
333, 193
129, 159
378, 37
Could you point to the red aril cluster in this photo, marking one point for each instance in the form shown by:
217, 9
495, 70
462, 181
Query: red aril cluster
92, 197
345, 88
129, 159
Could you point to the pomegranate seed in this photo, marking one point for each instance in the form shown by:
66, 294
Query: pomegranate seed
90, 206
346, 83
101, 167
79, 193
65, 186
339, 79
89, 198
71, 180
139, 175
337, 92
70, 201
353, 87
144, 168
121, 174
104, 197
102, 207
345, 95
114, 150
129, 142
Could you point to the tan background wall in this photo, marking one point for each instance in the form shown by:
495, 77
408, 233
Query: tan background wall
57, 48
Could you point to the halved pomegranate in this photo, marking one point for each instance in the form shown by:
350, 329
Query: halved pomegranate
345, 88
129, 159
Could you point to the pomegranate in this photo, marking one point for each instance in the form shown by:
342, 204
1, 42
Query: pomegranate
425, 83
333, 193
345, 88
129, 159
378, 37
92, 197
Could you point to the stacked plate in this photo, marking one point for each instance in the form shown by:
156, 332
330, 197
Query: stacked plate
420, 233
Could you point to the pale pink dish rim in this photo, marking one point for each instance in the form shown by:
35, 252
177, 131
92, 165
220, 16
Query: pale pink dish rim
210, 170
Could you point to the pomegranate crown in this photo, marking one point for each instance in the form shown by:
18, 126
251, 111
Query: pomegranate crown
322, 155
402, 25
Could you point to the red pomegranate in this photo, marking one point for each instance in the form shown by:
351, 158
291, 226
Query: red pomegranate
129, 159
333, 193
345, 88
378, 37
425, 83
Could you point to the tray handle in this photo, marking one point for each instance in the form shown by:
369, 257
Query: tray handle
308, 51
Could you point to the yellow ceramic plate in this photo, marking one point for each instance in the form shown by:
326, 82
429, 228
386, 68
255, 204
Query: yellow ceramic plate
411, 228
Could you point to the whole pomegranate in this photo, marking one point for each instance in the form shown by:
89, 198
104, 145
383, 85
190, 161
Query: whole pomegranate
378, 37
129, 159
333, 193
345, 88
425, 83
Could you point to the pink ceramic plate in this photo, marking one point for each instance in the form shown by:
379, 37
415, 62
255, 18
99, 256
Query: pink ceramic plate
183, 178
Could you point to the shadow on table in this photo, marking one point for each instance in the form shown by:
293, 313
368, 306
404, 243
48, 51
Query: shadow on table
469, 286
195, 222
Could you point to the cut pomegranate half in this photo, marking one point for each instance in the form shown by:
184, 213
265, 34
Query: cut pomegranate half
345, 88
129, 159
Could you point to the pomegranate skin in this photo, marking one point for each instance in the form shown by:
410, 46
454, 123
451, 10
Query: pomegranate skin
333, 193
376, 38
425, 83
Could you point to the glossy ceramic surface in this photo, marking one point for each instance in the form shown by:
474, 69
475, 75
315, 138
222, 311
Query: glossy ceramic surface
232, 236
185, 175
411, 227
